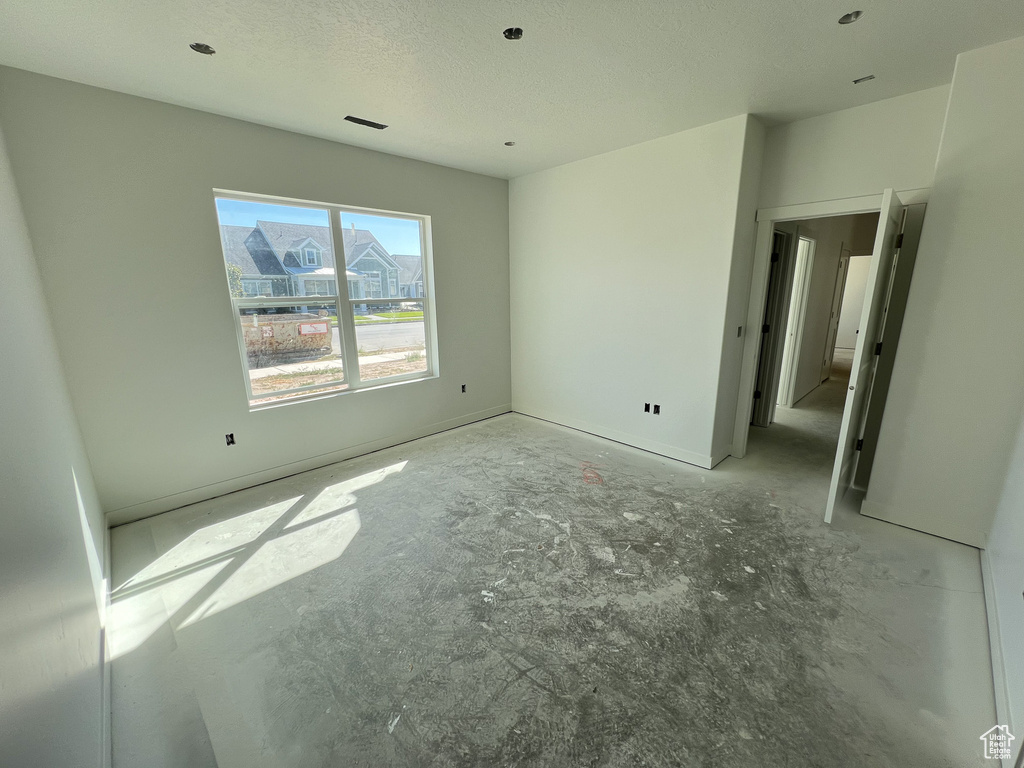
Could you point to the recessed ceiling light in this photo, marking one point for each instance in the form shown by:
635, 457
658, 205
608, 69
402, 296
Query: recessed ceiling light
860, 80
851, 17
202, 48
367, 123
513, 33
510, 143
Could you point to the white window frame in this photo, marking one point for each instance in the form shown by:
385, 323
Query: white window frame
315, 261
346, 306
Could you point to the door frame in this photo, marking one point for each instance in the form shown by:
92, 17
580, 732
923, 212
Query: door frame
773, 331
767, 218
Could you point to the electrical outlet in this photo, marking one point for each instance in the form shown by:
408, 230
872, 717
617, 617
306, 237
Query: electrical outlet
657, 410
229, 438
647, 407
463, 389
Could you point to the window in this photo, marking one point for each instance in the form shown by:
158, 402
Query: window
257, 288
330, 342
319, 288
373, 285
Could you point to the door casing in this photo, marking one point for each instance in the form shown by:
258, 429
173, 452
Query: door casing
767, 221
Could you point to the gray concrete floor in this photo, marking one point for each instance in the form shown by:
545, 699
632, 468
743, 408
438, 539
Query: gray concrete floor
514, 593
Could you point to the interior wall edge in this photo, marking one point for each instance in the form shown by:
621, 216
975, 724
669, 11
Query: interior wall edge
152, 507
52, 554
741, 268
1000, 681
107, 754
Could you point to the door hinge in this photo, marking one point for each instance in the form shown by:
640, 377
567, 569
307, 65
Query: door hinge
860, 444
899, 240
757, 395
764, 328
775, 257
878, 348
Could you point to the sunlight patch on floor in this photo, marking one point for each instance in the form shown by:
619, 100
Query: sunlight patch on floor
232, 560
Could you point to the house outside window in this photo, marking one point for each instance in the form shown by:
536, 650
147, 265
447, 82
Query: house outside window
330, 342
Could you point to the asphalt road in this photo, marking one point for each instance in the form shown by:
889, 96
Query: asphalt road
386, 336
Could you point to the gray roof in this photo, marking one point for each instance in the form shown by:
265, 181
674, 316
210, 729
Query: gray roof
269, 248
248, 253
286, 239
354, 237
411, 268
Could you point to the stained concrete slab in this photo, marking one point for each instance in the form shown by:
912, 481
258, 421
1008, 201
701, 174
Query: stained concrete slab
514, 593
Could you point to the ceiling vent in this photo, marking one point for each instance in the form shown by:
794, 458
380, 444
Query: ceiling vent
367, 123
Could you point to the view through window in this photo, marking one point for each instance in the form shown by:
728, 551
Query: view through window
326, 297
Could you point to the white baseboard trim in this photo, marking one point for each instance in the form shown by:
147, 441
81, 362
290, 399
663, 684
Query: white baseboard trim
718, 458
948, 530
634, 441
144, 509
999, 682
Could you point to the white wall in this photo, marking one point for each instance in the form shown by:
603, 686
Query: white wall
117, 195
957, 391
620, 268
1006, 561
854, 152
853, 301
52, 544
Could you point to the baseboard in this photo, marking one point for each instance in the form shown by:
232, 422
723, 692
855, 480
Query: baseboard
142, 510
999, 682
634, 441
718, 458
970, 537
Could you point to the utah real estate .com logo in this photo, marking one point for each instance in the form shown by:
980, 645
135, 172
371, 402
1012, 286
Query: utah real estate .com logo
997, 743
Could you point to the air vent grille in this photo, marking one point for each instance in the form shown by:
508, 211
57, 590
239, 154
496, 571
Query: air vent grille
367, 123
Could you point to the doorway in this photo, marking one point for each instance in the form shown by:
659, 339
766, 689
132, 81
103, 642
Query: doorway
819, 314
807, 275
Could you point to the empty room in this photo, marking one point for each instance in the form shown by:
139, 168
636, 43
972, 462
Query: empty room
670, 411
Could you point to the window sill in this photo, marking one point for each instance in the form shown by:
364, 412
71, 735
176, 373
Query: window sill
306, 398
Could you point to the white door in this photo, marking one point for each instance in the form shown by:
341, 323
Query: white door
833, 319
795, 323
864, 353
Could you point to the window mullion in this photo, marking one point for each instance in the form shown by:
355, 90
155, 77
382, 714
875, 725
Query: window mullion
346, 322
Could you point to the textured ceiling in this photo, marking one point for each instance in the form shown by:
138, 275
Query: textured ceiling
586, 78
